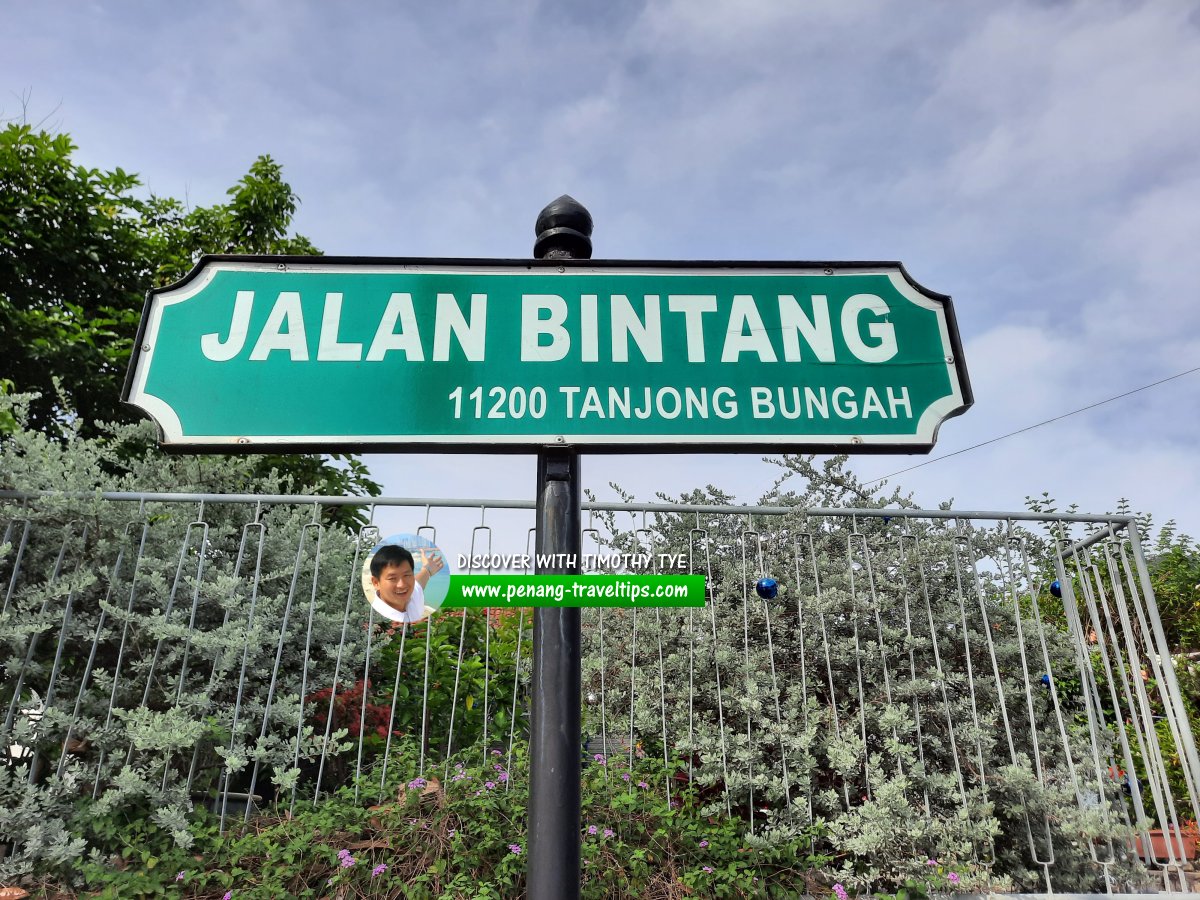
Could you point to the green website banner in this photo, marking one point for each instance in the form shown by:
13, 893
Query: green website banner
629, 591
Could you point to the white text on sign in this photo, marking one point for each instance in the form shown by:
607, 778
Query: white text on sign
579, 403
551, 331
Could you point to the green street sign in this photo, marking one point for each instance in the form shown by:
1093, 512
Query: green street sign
324, 353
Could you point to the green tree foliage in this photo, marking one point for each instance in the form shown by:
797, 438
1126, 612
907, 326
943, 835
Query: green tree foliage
74, 264
1175, 574
79, 249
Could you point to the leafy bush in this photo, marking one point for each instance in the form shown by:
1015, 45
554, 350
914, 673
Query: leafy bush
877, 714
890, 693
143, 667
462, 834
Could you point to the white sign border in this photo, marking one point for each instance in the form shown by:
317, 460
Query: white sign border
171, 428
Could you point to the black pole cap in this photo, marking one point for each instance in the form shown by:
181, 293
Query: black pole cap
563, 229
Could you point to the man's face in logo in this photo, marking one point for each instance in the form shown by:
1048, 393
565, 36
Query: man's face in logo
395, 585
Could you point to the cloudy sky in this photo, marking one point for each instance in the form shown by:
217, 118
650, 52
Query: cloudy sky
1039, 162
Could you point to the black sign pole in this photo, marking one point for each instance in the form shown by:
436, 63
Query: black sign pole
564, 230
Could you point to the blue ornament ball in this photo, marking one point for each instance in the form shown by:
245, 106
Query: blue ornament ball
767, 588
1056, 588
1046, 679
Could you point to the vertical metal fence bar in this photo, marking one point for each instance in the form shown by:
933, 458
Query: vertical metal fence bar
1092, 703
512, 722
31, 647
747, 680
1050, 678
1152, 751
805, 786
965, 544
487, 676
116, 684
16, 570
352, 587
280, 644
855, 611
645, 538
256, 527
425, 704
691, 630
935, 634
1050, 681
833, 695
1168, 684
366, 692
306, 661
530, 538
712, 617
632, 692
1096, 631
387, 748
779, 729
1045, 860
910, 640
198, 523
987, 630
462, 636
593, 534
662, 696
40, 706
1117, 671
47, 701
426, 529
197, 580
962, 625
113, 579
869, 569
213, 676
72, 588
1141, 715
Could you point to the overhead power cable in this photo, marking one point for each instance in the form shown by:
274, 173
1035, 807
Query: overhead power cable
1144, 387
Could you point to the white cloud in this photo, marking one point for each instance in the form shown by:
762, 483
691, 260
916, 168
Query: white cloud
1040, 162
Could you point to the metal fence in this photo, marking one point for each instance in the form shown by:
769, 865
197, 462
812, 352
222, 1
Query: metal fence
1004, 676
